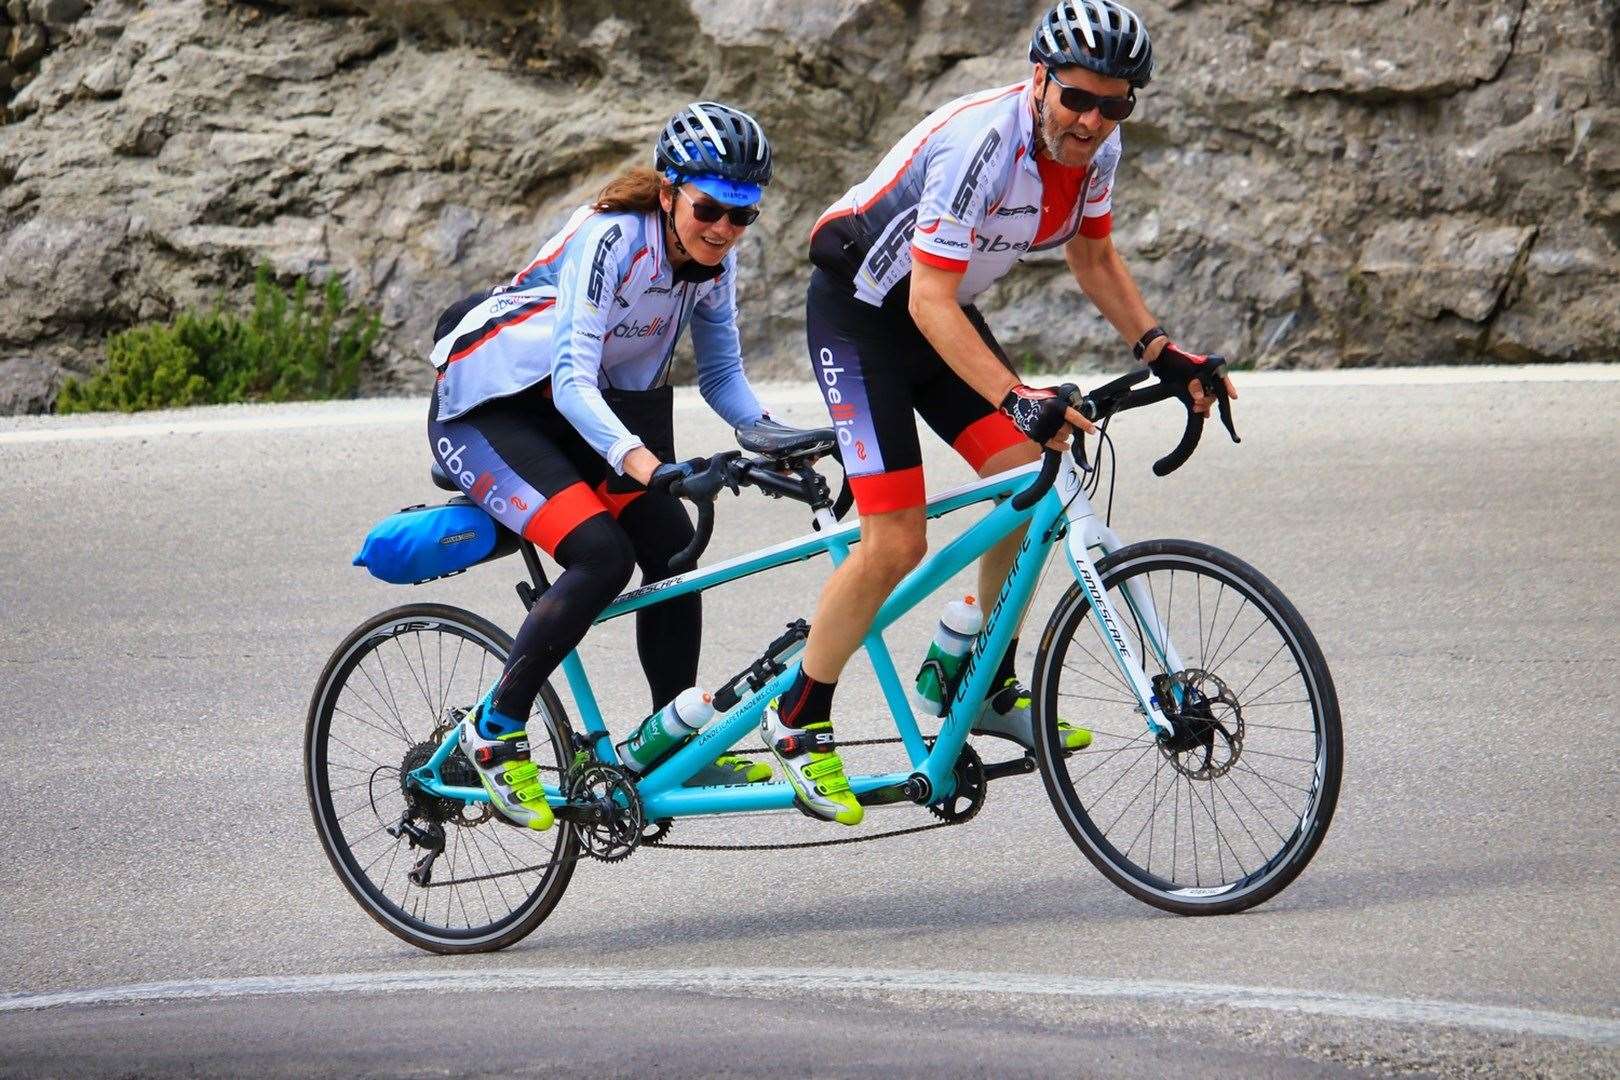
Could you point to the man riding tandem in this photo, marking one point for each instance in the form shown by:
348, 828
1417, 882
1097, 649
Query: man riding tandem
891, 329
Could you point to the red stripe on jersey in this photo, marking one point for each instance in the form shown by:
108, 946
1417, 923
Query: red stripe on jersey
881, 493
633, 260
997, 95
462, 353
1096, 228
985, 438
561, 514
562, 245
928, 258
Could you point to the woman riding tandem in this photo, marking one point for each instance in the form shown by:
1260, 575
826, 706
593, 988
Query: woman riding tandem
553, 412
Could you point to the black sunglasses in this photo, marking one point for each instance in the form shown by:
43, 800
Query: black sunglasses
1083, 101
708, 211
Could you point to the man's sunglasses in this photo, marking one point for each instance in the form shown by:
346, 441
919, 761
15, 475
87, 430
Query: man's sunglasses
708, 211
1083, 101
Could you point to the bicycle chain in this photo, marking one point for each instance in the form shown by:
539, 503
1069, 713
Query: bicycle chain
656, 839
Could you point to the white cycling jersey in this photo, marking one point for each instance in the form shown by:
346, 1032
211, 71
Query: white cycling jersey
962, 191
598, 307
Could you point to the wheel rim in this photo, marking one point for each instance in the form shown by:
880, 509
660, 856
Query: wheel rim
1223, 819
388, 694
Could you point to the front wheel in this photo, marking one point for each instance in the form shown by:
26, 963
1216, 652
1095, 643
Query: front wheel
393, 690
1223, 817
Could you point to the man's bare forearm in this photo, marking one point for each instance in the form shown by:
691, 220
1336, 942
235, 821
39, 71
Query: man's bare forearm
1104, 278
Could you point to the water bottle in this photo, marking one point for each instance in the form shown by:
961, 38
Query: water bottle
665, 730
953, 637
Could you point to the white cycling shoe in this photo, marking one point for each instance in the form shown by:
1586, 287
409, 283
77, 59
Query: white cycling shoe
815, 771
1006, 715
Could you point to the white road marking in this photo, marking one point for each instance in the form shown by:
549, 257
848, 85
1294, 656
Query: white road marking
226, 419
1496, 1019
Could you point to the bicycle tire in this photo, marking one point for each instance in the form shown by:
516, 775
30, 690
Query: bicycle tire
537, 903
1298, 847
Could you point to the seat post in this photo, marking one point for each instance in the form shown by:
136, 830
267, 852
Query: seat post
535, 588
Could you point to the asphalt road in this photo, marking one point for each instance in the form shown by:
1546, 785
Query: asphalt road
172, 585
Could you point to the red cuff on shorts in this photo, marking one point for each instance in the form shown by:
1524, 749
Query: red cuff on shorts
985, 438
616, 501
560, 514
882, 492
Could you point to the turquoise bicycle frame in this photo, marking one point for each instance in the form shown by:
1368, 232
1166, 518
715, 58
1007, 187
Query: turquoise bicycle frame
1062, 513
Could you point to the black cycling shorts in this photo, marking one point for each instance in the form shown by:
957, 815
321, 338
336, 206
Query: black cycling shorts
874, 368
521, 460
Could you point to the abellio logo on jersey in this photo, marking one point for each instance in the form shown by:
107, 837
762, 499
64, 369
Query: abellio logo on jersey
995, 245
634, 329
480, 488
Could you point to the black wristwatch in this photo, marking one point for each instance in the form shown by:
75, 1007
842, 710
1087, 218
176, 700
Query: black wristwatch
1151, 335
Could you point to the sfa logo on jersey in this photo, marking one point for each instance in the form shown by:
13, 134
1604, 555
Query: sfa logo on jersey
600, 264
975, 169
895, 244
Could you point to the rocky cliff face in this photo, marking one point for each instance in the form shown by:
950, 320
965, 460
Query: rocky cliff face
1333, 182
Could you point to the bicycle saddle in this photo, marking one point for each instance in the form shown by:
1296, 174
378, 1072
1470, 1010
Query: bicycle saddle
771, 439
442, 478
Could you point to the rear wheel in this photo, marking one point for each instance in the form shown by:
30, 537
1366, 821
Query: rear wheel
1226, 815
389, 695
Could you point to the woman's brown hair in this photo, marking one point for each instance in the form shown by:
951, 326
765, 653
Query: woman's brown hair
635, 190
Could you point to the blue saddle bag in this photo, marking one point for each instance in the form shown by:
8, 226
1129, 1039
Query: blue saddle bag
421, 543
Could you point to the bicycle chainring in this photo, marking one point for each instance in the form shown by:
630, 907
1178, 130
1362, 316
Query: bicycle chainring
1209, 726
971, 788
613, 791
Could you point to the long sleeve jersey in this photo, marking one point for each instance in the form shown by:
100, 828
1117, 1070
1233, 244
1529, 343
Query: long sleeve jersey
598, 306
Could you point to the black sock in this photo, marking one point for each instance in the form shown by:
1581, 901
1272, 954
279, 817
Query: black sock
806, 701
1005, 671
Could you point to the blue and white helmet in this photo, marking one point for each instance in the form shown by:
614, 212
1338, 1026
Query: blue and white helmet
722, 150
1099, 35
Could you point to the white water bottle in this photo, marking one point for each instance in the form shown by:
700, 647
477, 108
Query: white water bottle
665, 730
953, 637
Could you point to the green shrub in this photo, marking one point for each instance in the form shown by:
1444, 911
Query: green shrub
289, 348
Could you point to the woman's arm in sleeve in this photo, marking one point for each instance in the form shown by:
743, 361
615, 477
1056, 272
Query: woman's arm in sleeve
585, 294
721, 380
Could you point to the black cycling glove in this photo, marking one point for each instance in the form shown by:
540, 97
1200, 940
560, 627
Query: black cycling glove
1176, 368
1035, 411
670, 476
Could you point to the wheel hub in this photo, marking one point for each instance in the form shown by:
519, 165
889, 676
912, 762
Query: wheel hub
456, 771
1209, 725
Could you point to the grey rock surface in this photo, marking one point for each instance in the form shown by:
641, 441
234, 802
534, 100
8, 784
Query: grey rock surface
1385, 182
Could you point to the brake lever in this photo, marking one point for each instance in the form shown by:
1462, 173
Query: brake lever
1215, 383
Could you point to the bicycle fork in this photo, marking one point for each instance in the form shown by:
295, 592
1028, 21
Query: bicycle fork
1087, 533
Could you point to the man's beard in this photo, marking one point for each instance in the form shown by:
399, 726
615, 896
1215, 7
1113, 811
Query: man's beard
1052, 136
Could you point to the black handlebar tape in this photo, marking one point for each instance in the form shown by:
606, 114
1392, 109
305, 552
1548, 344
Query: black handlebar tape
688, 556
1176, 458
1032, 494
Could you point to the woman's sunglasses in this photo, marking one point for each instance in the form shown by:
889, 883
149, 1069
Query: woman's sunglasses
1083, 101
709, 212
